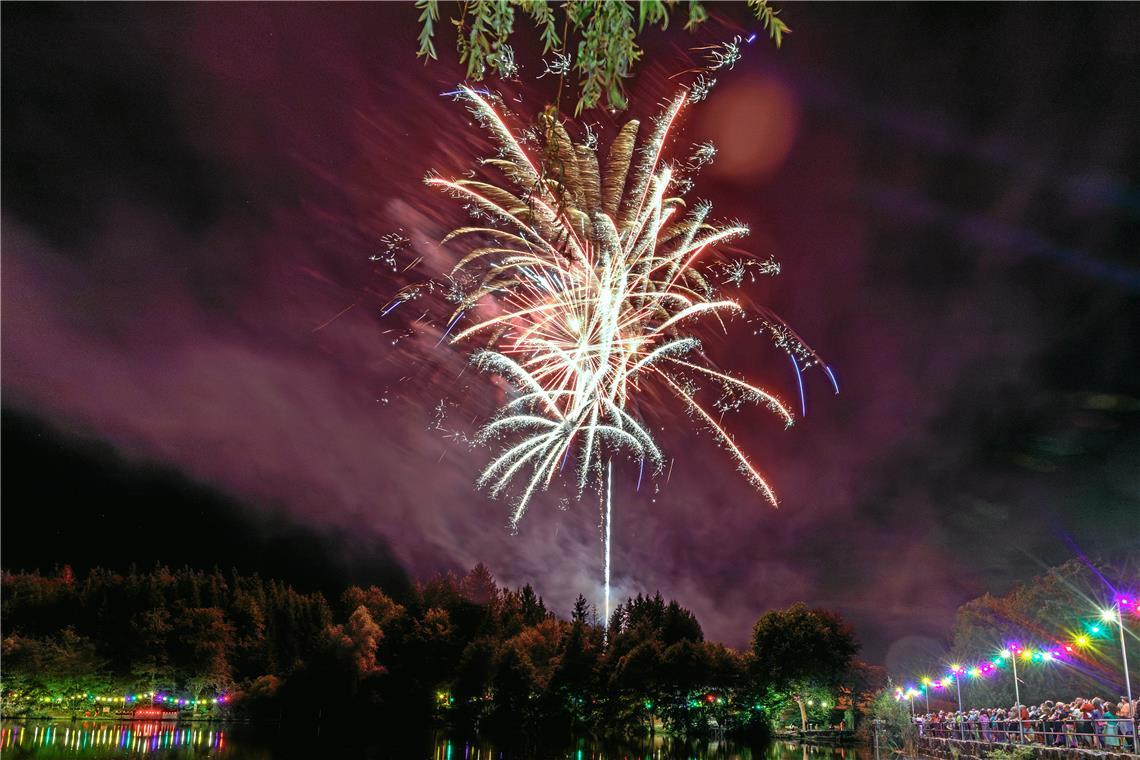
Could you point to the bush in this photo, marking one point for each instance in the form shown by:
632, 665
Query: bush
897, 729
1013, 753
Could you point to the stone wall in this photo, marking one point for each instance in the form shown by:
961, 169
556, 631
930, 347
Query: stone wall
959, 749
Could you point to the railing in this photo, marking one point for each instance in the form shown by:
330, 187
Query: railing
1113, 734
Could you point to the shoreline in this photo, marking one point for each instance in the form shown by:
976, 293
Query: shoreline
122, 719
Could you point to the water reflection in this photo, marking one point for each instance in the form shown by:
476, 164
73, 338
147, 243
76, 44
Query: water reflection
97, 740
660, 749
92, 740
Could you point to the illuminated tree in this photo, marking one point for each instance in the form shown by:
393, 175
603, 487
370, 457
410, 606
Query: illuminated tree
797, 652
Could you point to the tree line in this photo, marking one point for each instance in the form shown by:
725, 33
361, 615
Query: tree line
460, 650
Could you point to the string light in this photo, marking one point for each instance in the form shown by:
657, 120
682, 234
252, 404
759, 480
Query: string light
142, 697
987, 667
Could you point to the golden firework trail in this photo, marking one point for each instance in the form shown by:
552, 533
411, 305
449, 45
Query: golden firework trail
583, 290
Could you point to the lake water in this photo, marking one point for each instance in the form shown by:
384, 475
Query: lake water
164, 741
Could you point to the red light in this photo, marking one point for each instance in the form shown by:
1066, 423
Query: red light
710, 698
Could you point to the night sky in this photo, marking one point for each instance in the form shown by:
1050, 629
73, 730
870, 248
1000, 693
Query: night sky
196, 370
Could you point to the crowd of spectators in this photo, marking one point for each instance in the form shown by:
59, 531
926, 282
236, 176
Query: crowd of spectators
1090, 723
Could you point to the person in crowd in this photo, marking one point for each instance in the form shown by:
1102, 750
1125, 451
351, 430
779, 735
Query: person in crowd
1057, 720
1072, 715
1127, 728
1086, 733
1109, 731
1050, 725
1098, 721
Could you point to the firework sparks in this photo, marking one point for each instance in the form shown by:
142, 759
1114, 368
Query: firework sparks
392, 243
701, 89
504, 62
591, 141
725, 55
559, 65
580, 292
736, 271
703, 154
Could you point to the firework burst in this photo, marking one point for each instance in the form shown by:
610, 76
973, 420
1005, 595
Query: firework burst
584, 289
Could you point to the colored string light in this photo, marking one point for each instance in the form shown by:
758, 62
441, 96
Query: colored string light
987, 667
133, 699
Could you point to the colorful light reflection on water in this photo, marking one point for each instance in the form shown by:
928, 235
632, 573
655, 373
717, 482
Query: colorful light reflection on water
94, 740
119, 739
